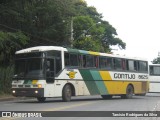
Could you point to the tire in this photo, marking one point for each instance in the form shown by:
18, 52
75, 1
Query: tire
41, 99
66, 93
106, 96
129, 92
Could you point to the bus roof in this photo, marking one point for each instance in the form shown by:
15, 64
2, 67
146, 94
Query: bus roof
154, 64
39, 48
48, 48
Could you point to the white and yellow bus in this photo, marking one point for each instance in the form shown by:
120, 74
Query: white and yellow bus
51, 71
154, 78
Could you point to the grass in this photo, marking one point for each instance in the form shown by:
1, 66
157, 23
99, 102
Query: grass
4, 95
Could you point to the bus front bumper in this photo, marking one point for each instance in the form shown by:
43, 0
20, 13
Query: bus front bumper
28, 92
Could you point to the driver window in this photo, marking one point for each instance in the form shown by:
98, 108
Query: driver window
50, 67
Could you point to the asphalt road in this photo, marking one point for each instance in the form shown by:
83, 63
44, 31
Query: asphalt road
150, 102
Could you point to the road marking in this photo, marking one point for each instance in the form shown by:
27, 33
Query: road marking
69, 106
157, 106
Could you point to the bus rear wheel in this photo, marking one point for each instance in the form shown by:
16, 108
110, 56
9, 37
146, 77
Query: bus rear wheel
41, 99
129, 92
66, 93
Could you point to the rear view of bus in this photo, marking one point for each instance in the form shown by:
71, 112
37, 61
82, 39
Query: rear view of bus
154, 78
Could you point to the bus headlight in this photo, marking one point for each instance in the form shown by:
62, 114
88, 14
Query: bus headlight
13, 91
36, 91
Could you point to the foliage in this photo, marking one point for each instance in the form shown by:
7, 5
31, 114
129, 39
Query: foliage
9, 43
156, 60
5, 79
48, 22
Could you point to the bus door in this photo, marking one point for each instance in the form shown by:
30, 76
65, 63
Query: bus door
50, 76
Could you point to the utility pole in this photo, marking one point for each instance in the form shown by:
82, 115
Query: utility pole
71, 37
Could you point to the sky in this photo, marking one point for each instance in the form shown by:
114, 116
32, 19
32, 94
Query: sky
137, 23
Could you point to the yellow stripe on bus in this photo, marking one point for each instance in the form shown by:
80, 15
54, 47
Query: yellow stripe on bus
119, 87
93, 53
105, 75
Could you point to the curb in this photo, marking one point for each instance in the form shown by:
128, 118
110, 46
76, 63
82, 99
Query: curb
2, 99
7, 98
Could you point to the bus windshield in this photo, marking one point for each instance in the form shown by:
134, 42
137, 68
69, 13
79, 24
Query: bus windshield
29, 68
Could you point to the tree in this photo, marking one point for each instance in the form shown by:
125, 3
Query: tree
9, 43
103, 35
156, 60
48, 22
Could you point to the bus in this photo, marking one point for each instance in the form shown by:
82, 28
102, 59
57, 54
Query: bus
52, 71
154, 78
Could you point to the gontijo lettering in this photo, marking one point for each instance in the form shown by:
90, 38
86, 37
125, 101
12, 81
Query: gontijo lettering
124, 76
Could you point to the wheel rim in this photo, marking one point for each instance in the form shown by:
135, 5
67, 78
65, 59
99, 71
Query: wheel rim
68, 92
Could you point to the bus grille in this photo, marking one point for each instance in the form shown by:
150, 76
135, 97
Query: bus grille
20, 86
27, 86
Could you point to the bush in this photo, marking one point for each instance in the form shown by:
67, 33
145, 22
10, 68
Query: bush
6, 74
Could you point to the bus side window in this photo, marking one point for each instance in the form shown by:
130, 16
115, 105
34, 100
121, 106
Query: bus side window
90, 61
102, 61
151, 70
84, 60
117, 63
123, 64
80, 60
136, 65
58, 64
73, 59
155, 70
142, 65
109, 63
131, 65
96, 61
127, 65
66, 59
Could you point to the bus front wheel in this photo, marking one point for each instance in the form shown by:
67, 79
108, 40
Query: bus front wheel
66, 93
129, 92
41, 99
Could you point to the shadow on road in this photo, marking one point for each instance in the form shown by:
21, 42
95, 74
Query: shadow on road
78, 99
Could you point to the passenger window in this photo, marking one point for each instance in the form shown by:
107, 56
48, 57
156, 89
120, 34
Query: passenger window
80, 60
103, 62
96, 61
151, 70
109, 63
84, 60
142, 66
123, 64
66, 58
117, 63
73, 60
136, 65
90, 62
131, 65
155, 70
